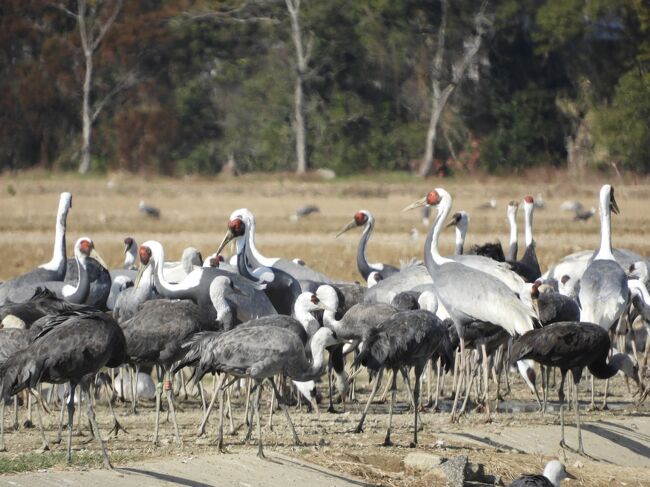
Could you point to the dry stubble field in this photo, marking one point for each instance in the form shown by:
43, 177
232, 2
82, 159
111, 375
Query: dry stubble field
195, 212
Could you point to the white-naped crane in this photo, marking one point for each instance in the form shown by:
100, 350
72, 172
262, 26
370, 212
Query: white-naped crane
367, 220
467, 293
71, 347
281, 287
554, 474
55, 269
77, 293
528, 266
256, 259
250, 303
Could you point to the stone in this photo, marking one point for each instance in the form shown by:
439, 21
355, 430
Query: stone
454, 470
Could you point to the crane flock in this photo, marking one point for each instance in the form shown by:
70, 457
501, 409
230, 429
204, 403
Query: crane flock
264, 320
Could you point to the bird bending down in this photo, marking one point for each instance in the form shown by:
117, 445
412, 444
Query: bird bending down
260, 353
572, 346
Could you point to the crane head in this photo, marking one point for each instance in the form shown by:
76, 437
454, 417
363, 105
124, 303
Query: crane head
433, 198
361, 217
236, 228
144, 253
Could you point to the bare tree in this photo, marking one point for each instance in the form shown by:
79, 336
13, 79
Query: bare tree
302, 58
93, 27
459, 68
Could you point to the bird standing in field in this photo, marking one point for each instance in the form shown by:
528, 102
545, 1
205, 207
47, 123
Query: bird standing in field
572, 346
71, 347
148, 210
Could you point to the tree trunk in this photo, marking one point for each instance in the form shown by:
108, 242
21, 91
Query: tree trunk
293, 6
84, 165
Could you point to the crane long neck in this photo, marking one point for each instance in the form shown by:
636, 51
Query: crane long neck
309, 371
460, 240
222, 307
129, 259
362, 260
605, 249
242, 258
605, 370
167, 289
59, 257
142, 292
306, 319
253, 255
79, 294
514, 244
432, 257
528, 217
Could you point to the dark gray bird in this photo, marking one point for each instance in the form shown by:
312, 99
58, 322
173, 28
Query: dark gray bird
554, 473
148, 210
572, 346
155, 335
99, 278
406, 339
22, 315
364, 218
584, 215
260, 353
71, 347
55, 269
553, 307
304, 211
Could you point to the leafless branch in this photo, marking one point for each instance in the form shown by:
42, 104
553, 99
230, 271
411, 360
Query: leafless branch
63, 9
130, 80
107, 25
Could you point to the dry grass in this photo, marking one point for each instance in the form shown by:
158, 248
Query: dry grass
195, 212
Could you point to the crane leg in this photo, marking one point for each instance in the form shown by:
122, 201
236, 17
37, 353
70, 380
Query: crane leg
116, 424
283, 405
95, 426
473, 374
581, 449
429, 402
44, 446
486, 381
201, 430
459, 380
134, 389
439, 379
270, 423
260, 451
248, 402
204, 404
330, 409
28, 423
407, 383
158, 401
170, 402
251, 413
384, 394
16, 412
73, 386
416, 397
393, 392
592, 406
375, 386
220, 393
2, 426
604, 406
230, 415
59, 432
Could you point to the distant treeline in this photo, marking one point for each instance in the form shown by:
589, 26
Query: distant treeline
181, 86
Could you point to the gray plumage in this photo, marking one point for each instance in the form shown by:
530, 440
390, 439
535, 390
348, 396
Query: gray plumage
554, 473
100, 282
553, 307
148, 210
43, 302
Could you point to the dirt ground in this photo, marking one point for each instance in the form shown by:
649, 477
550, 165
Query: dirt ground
195, 212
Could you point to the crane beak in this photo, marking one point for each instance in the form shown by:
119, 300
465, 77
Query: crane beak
416, 204
95, 255
126, 249
570, 475
347, 227
139, 276
613, 205
227, 239
452, 222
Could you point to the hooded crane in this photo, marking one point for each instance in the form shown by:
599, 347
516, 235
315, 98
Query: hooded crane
71, 347
250, 303
260, 353
365, 218
77, 293
572, 346
154, 336
468, 294
493, 250
406, 339
55, 269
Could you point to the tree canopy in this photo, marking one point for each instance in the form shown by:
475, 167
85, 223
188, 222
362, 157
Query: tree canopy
209, 81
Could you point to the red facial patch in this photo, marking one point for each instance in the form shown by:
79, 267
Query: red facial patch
220, 258
145, 254
529, 199
433, 198
360, 218
236, 227
214, 262
86, 246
